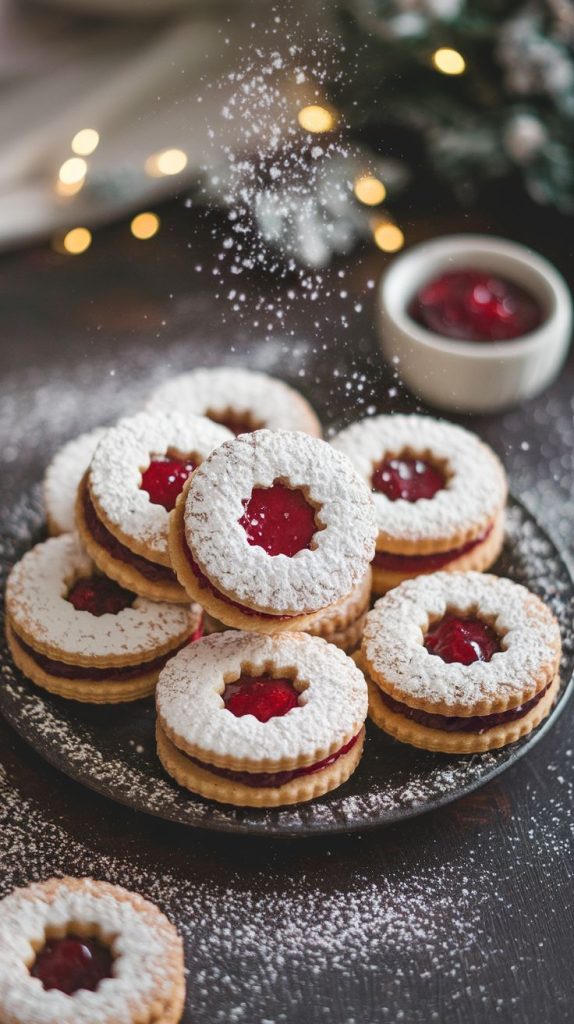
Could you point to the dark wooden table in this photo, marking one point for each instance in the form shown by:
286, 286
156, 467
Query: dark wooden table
464, 915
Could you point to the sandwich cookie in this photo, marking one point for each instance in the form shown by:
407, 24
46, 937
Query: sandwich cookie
136, 473
242, 400
76, 951
272, 528
261, 721
341, 623
460, 662
439, 493
80, 635
63, 478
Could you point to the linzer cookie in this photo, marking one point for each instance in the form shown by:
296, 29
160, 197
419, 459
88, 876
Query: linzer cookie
272, 528
341, 623
63, 478
439, 493
136, 473
241, 400
460, 662
261, 721
77, 951
80, 635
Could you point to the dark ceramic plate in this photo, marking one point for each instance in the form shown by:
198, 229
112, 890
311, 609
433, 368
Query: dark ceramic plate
112, 750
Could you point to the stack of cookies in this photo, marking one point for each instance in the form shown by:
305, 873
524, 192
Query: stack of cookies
219, 509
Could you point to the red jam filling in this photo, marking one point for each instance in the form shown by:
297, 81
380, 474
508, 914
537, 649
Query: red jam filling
390, 562
206, 584
198, 631
72, 963
63, 670
260, 696
455, 723
266, 780
151, 570
473, 305
408, 479
279, 520
164, 479
462, 640
99, 596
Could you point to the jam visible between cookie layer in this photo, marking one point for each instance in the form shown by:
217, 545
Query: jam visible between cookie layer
267, 780
455, 723
206, 584
72, 963
408, 479
279, 519
63, 670
260, 696
391, 562
152, 571
164, 479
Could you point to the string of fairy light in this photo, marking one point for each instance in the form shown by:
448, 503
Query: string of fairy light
314, 118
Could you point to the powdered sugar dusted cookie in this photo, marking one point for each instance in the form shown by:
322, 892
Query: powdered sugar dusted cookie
460, 662
80, 635
261, 720
136, 473
243, 400
63, 478
341, 623
273, 527
76, 951
439, 493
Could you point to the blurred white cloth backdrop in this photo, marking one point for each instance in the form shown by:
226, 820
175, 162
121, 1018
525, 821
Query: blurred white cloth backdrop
144, 86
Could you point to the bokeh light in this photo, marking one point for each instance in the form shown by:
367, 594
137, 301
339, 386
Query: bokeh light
315, 118
369, 190
69, 188
168, 161
388, 236
85, 141
73, 171
448, 61
75, 241
145, 225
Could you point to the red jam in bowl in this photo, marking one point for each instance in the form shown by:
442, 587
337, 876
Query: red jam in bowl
474, 305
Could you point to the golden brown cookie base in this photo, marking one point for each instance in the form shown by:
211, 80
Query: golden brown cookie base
85, 691
220, 609
340, 616
122, 572
174, 1011
214, 787
479, 558
211, 625
348, 639
425, 738
105, 661
52, 526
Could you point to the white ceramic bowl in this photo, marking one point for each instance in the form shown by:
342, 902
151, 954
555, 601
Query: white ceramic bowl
470, 376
